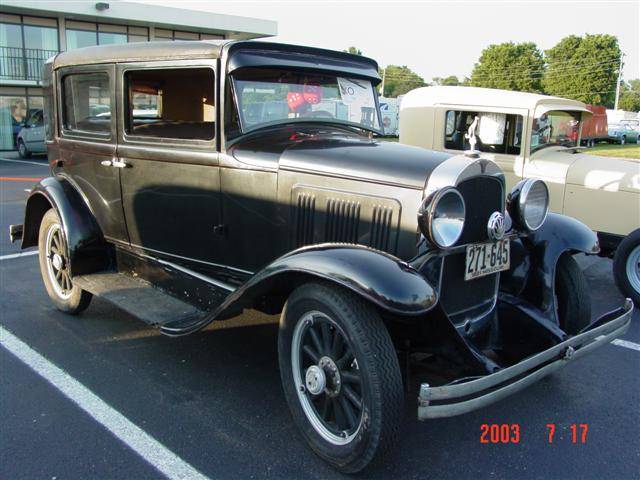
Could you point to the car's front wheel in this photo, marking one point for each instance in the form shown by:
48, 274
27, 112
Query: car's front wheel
572, 295
623, 140
23, 151
54, 267
340, 375
626, 266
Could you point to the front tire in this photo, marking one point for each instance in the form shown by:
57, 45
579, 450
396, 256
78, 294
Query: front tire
626, 266
572, 295
340, 375
23, 151
623, 140
54, 267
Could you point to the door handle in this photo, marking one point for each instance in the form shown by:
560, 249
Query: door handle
106, 163
119, 164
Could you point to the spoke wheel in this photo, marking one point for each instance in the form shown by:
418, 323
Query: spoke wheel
626, 266
58, 262
326, 372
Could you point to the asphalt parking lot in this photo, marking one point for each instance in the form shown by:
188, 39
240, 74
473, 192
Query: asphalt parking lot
214, 399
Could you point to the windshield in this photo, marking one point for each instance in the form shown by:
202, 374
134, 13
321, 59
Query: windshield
555, 128
267, 96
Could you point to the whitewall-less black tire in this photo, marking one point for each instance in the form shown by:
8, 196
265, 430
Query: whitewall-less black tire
340, 375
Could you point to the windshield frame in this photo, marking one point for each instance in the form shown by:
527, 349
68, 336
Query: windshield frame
244, 129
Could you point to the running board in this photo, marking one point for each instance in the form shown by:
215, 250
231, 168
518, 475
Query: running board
138, 297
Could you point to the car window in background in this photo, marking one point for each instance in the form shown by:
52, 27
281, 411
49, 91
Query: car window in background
36, 119
87, 103
268, 96
495, 132
555, 128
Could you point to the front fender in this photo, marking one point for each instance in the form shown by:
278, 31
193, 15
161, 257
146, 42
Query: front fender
380, 278
86, 248
558, 234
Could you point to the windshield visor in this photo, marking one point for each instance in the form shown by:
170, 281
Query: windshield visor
271, 96
555, 128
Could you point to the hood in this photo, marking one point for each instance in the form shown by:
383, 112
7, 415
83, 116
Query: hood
605, 173
339, 153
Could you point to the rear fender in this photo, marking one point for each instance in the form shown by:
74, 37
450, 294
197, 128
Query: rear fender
382, 279
86, 249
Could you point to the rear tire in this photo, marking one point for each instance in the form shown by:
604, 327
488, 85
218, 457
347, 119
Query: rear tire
54, 267
626, 266
572, 295
23, 151
623, 140
340, 375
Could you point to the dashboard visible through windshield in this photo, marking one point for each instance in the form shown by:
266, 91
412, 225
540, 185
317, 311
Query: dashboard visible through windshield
555, 128
271, 96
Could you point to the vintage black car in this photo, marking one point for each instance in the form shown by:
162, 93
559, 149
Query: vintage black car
193, 180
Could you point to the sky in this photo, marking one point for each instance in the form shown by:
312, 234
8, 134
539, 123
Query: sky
437, 38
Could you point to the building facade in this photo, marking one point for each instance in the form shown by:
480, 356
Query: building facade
32, 31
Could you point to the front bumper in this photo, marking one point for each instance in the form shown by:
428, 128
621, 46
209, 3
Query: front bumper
458, 398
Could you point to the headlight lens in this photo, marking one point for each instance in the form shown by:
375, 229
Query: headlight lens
441, 217
529, 204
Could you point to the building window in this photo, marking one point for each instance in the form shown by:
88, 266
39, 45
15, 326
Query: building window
25, 43
81, 34
87, 103
163, 34
112, 34
172, 103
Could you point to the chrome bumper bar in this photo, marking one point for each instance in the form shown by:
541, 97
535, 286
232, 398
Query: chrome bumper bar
458, 398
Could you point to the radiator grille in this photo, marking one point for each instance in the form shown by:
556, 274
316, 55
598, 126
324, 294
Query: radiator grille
482, 196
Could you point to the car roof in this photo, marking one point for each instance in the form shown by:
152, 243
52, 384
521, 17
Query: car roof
484, 97
140, 51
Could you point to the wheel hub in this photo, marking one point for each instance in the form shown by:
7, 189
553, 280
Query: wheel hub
315, 380
332, 373
57, 261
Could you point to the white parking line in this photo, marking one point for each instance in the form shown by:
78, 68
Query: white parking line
18, 255
24, 161
156, 454
626, 344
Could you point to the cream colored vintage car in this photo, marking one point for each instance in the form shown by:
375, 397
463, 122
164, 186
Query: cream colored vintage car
535, 136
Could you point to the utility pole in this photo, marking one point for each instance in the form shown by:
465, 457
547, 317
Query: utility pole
615, 107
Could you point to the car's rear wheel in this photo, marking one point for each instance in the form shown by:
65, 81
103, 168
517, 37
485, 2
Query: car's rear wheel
55, 267
626, 266
623, 140
340, 375
572, 295
23, 151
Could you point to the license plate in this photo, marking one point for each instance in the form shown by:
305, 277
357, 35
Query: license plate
486, 258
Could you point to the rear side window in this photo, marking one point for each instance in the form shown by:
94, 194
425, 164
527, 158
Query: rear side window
495, 132
87, 103
174, 103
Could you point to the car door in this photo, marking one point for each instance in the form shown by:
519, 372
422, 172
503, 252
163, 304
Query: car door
167, 146
35, 134
87, 142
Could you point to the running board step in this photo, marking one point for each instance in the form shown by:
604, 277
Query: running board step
138, 297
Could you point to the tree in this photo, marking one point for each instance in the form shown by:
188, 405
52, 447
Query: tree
630, 96
451, 80
353, 50
509, 66
583, 68
398, 80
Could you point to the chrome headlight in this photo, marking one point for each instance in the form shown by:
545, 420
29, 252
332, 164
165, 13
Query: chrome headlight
441, 217
528, 204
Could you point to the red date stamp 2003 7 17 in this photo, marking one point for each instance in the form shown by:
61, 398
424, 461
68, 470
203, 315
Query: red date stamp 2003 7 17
501, 433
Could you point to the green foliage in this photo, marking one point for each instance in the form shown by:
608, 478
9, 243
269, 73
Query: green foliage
398, 80
509, 66
583, 68
630, 96
353, 50
451, 80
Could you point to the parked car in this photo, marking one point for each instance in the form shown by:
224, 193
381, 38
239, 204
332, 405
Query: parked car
368, 248
31, 137
626, 131
535, 136
389, 108
594, 126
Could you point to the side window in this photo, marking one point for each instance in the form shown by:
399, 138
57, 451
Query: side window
495, 132
86, 103
173, 103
